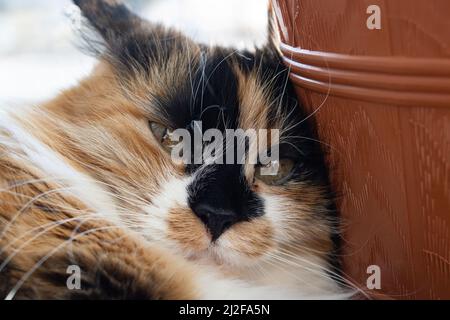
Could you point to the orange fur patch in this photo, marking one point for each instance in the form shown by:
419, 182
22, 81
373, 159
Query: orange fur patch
187, 230
251, 238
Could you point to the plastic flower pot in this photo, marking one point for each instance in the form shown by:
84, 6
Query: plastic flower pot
376, 75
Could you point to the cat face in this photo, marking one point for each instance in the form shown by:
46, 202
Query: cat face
116, 126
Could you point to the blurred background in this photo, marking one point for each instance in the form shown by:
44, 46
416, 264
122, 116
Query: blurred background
40, 47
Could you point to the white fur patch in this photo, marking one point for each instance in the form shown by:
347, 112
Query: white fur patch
29, 149
173, 194
216, 287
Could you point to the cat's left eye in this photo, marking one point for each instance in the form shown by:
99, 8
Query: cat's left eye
275, 172
163, 135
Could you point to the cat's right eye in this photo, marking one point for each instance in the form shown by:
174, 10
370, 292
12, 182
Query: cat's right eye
163, 135
283, 169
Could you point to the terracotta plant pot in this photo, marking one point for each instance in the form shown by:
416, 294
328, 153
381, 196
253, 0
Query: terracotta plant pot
378, 81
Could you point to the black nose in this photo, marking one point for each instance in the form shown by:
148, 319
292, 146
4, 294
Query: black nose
217, 220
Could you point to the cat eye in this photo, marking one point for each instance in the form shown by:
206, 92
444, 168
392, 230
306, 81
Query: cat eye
282, 167
163, 135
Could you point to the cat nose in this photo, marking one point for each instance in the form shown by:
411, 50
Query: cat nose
216, 220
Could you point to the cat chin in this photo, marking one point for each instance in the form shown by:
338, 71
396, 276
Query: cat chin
222, 276
215, 285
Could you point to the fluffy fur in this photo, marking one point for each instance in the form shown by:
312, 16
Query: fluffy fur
83, 181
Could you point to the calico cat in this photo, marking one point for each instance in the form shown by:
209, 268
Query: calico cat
87, 180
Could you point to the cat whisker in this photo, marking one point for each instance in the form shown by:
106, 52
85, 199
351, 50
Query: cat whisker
343, 281
39, 234
28, 204
322, 273
24, 278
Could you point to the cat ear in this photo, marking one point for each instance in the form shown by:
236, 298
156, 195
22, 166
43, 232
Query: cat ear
110, 18
130, 42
